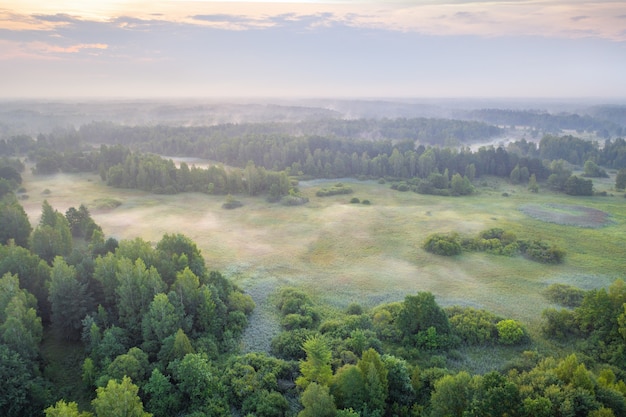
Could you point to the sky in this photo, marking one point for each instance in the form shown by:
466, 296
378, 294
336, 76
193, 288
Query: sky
332, 48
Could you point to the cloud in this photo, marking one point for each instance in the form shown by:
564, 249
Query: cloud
57, 18
577, 18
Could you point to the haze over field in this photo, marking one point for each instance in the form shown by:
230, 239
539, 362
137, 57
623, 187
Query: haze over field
349, 48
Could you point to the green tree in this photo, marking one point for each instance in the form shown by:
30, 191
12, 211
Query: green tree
69, 299
163, 399
197, 381
53, 236
15, 224
510, 332
63, 409
532, 184
316, 366
620, 179
22, 329
119, 399
161, 320
133, 364
419, 313
451, 396
136, 288
317, 402
375, 381
348, 387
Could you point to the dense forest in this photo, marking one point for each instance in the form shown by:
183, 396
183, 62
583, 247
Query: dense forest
93, 326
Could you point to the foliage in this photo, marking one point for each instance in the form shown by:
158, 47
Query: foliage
337, 189
473, 326
316, 367
510, 332
14, 221
317, 402
565, 295
443, 244
119, 399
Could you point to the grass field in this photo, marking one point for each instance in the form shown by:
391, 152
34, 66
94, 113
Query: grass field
343, 253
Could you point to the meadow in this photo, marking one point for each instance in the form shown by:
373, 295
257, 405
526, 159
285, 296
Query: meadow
342, 253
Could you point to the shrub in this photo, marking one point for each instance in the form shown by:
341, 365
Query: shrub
293, 200
473, 326
565, 295
354, 200
231, 203
366, 202
510, 332
337, 189
443, 244
539, 251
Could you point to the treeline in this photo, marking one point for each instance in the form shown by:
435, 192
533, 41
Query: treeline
604, 124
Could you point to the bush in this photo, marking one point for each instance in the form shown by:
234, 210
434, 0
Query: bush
443, 244
564, 294
539, 251
510, 332
472, 326
354, 200
231, 203
337, 189
293, 200
366, 202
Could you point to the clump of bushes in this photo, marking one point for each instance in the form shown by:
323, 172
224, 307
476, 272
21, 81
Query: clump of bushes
443, 244
565, 295
496, 241
231, 203
354, 200
540, 251
366, 202
294, 200
336, 189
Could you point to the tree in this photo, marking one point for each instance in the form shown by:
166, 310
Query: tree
316, 367
532, 184
451, 396
421, 312
68, 298
317, 402
119, 399
620, 179
161, 320
22, 330
15, 224
375, 381
163, 399
136, 288
53, 236
510, 332
348, 387
63, 409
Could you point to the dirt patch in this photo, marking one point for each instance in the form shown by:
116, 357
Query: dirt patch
568, 215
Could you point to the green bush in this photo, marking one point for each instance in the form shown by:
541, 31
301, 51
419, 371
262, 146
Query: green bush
510, 332
564, 294
539, 251
443, 244
366, 202
354, 200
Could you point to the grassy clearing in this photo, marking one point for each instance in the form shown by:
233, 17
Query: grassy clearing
343, 253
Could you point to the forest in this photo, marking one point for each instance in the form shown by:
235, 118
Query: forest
93, 325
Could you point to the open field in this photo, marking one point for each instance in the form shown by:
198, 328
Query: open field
344, 253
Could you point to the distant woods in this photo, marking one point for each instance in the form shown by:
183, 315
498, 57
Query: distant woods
263, 156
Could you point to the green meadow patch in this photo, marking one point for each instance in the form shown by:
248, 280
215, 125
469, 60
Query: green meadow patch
341, 253
568, 215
